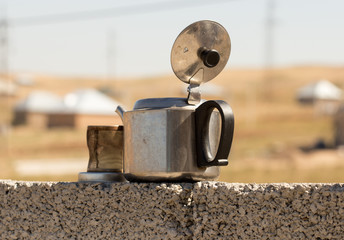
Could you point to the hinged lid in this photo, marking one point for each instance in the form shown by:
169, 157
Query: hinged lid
200, 52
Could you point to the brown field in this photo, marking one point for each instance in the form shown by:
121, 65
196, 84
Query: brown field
270, 125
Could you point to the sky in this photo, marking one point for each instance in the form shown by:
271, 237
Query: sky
133, 41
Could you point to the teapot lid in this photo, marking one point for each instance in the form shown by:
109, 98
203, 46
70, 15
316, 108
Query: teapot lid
199, 54
159, 103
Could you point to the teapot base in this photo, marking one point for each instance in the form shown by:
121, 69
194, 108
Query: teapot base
210, 174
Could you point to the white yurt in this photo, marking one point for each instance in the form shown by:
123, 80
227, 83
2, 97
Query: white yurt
323, 95
91, 107
34, 110
78, 109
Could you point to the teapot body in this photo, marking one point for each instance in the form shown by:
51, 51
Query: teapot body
160, 145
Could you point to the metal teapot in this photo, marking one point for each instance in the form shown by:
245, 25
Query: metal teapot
182, 139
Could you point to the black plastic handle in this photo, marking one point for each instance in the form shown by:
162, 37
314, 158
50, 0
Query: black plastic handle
203, 113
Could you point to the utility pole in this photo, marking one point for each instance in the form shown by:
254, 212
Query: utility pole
4, 71
269, 49
269, 29
3, 42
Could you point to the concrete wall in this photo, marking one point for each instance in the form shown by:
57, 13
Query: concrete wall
204, 210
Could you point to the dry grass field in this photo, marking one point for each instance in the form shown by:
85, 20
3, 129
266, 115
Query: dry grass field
270, 126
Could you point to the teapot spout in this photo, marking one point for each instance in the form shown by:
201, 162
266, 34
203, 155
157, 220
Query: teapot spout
120, 111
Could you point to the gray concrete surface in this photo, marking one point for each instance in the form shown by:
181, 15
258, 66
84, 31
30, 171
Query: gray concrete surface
204, 210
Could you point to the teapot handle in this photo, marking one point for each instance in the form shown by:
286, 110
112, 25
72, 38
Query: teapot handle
203, 113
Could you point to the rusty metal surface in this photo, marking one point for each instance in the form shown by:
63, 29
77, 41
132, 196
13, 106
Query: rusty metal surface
105, 145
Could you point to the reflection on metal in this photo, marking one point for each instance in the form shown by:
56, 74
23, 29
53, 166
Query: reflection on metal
194, 96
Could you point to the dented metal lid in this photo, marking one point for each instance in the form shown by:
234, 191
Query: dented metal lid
200, 52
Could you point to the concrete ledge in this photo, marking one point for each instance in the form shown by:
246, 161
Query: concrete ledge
204, 210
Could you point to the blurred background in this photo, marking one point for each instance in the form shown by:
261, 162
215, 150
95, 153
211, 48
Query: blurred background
284, 81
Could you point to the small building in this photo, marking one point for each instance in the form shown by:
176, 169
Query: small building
90, 107
36, 109
77, 110
323, 95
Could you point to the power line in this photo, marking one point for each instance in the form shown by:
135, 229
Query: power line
113, 12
